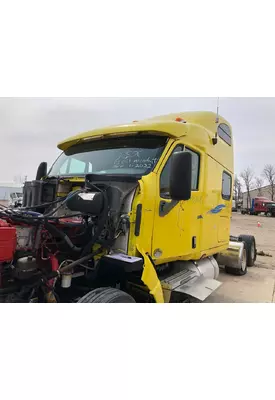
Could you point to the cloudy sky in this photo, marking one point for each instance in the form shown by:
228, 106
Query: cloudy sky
30, 128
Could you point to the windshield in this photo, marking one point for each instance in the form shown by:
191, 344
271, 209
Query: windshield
128, 156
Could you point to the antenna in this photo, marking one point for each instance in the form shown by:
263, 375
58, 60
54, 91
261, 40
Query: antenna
215, 139
218, 109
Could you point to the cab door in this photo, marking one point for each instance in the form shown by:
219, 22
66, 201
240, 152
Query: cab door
176, 230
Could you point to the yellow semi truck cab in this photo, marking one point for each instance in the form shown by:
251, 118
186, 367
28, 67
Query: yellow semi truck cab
160, 194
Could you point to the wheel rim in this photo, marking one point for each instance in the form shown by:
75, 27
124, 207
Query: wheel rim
244, 260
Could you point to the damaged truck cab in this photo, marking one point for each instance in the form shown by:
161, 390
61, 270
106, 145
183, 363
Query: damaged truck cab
138, 212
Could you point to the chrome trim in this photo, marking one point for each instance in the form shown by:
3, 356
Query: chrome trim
232, 256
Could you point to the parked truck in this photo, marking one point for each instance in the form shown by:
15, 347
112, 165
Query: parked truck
270, 209
259, 205
131, 213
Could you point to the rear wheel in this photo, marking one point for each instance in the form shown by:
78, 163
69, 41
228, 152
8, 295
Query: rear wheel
251, 252
106, 295
269, 214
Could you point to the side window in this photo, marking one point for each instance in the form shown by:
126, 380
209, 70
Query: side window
226, 186
195, 169
225, 133
164, 177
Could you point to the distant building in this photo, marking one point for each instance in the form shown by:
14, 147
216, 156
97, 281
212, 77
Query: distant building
7, 189
262, 192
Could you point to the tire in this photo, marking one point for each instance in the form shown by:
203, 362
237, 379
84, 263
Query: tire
106, 295
236, 271
251, 251
269, 214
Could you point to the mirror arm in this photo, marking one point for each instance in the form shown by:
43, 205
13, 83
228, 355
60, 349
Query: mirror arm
165, 207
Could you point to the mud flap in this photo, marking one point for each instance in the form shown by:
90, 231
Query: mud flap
150, 279
200, 288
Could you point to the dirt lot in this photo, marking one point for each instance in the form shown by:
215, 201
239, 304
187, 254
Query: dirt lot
258, 285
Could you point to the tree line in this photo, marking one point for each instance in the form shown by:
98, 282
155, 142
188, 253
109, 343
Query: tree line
248, 181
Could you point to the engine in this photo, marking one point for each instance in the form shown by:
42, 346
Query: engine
51, 247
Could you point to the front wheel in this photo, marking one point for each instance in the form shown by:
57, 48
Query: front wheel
269, 214
107, 295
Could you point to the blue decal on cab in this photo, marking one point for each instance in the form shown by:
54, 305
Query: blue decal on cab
217, 209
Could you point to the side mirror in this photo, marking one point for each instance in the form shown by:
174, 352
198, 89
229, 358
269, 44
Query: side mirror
41, 171
181, 176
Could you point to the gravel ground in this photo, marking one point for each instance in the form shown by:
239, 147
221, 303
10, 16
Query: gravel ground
258, 285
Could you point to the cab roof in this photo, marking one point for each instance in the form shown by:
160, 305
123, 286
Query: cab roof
173, 125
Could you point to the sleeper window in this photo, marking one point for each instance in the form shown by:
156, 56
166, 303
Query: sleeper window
226, 186
225, 133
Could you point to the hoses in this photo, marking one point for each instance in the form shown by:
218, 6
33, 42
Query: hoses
80, 261
72, 194
25, 215
57, 232
45, 204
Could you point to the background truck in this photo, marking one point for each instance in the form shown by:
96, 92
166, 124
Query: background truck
132, 213
258, 206
270, 209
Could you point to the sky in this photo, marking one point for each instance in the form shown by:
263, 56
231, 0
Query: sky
30, 128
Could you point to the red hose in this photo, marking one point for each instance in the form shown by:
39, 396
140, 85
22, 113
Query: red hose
55, 266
